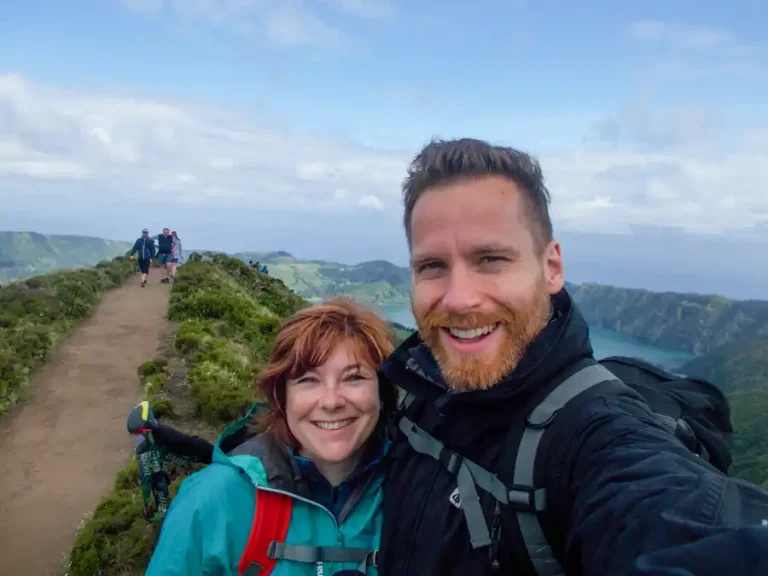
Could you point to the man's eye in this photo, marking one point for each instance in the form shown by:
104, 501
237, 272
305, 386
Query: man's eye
429, 266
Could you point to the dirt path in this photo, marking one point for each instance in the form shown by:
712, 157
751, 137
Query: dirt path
61, 448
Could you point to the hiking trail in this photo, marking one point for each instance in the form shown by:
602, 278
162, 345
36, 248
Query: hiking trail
62, 446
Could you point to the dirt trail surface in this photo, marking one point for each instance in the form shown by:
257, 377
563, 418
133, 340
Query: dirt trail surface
61, 447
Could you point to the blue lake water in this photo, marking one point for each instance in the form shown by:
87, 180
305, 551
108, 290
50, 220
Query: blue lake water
604, 342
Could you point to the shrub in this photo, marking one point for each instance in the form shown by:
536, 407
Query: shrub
37, 312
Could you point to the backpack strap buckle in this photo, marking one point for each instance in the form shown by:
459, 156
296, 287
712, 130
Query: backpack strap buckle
450, 460
527, 498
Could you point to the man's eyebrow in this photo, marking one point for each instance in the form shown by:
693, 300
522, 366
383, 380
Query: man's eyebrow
417, 259
489, 249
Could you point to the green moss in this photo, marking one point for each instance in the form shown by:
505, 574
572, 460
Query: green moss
36, 314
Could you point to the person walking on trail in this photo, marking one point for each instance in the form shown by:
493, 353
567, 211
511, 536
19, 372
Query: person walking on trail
145, 247
176, 254
164, 250
302, 494
515, 452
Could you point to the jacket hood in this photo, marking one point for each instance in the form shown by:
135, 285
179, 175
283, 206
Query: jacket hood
563, 341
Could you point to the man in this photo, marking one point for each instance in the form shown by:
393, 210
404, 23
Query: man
613, 491
164, 250
145, 246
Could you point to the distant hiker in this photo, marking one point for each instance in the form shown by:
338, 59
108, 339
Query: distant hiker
176, 254
145, 246
164, 250
303, 494
264, 270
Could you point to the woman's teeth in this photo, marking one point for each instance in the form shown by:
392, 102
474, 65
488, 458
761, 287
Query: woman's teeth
336, 425
470, 334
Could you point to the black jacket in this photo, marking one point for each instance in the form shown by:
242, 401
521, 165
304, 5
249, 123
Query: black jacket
624, 496
145, 247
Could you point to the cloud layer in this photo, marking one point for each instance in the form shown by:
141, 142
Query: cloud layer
644, 167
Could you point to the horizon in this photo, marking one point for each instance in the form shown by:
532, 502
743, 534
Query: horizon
298, 258
290, 126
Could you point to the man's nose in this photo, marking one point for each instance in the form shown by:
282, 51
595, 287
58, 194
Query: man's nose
462, 292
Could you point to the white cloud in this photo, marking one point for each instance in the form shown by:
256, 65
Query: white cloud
365, 8
140, 148
283, 22
119, 151
371, 201
700, 51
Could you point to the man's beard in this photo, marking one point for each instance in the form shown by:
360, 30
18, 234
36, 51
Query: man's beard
519, 327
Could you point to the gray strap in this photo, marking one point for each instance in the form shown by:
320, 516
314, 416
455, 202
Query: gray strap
468, 474
314, 554
541, 555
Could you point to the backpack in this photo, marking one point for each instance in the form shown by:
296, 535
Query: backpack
266, 542
694, 410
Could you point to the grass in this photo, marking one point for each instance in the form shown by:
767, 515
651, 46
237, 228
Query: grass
35, 314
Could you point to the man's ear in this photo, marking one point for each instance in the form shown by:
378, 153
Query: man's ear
554, 272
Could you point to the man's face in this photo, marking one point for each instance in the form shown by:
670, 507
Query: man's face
165, 231
481, 289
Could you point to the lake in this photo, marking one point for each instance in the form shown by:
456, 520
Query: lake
604, 342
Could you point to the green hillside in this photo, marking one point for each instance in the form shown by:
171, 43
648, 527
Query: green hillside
692, 323
741, 369
36, 313
26, 254
376, 281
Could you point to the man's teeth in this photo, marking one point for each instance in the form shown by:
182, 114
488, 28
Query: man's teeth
338, 424
469, 334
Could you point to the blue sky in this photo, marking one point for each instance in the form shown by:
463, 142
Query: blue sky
250, 122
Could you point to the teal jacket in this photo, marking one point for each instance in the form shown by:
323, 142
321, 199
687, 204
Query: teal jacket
209, 522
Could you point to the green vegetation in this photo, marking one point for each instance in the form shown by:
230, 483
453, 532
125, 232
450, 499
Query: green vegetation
26, 254
690, 323
36, 313
228, 315
375, 282
740, 368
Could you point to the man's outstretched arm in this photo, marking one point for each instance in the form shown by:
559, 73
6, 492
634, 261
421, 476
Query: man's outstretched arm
636, 502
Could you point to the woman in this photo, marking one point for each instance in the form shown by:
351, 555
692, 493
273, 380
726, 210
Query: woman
176, 254
303, 494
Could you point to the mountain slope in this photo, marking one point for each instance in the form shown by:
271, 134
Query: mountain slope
692, 323
26, 254
376, 281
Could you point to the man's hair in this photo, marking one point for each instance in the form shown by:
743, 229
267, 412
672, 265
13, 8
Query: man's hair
446, 161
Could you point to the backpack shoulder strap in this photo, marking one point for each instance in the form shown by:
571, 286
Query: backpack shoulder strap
271, 520
524, 453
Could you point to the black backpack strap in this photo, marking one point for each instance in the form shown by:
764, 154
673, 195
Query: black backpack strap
524, 456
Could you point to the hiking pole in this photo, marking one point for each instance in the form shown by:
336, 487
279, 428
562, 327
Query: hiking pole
152, 474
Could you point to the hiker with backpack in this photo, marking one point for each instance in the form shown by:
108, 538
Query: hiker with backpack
514, 451
165, 243
145, 247
300, 491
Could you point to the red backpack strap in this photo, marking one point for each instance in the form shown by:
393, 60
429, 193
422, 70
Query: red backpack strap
270, 524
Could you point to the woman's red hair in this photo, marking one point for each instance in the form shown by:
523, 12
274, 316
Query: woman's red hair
306, 340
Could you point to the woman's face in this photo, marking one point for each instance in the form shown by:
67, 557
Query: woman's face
333, 409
